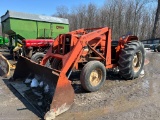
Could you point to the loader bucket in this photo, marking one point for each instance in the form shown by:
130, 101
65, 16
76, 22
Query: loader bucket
4, 66
60, 95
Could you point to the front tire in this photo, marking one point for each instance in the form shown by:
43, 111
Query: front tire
131, 60
93, 76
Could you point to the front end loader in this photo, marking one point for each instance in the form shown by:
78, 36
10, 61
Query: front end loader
48, 86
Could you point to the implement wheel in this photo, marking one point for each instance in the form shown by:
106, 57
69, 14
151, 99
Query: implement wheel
131, 60
37, 57
93, 76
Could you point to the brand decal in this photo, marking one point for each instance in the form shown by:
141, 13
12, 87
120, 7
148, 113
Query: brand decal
59, 27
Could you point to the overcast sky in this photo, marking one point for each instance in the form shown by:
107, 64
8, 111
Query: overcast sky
45, 7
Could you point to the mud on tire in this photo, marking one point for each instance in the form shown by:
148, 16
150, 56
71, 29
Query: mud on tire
93, 76
131, 60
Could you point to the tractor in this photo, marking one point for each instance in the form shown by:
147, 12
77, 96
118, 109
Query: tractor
90, 51
35, 49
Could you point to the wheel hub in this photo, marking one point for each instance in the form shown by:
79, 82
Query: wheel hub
39, 60
137, 60
95, 77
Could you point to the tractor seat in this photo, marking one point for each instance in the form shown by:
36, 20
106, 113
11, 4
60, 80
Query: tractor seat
114, 43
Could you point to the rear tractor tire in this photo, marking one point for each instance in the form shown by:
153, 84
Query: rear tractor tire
93, 75
131, 60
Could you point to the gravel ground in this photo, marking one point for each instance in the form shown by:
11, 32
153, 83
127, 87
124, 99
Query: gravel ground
118, 99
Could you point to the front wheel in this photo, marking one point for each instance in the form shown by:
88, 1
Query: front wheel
93, 76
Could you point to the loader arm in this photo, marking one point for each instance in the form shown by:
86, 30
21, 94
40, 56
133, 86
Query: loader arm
64, 87
83, 41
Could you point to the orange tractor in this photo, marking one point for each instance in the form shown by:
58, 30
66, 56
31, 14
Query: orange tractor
87, 50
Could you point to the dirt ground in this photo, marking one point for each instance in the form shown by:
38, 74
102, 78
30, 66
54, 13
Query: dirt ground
118, 99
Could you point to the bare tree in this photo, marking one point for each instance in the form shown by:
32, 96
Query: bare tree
122, 16
102, 17
61, 11
91, 13
81, 12
128, 17
73, 20
157, 19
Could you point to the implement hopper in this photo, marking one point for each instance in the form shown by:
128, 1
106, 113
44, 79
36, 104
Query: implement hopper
47, 90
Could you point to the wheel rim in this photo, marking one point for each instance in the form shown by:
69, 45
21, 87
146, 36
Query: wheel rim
95, 77
137, 60
39, 60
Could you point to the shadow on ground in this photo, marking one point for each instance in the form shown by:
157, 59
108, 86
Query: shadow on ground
75, 78
26, 103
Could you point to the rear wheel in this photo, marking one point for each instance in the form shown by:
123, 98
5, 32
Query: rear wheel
93, 76
37, 57
131, 60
